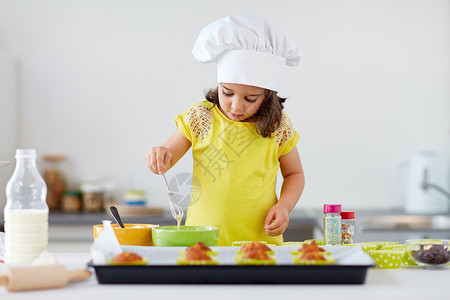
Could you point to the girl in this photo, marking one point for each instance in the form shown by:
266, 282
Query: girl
239, 136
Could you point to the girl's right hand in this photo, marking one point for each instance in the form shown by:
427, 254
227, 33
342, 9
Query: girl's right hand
158, 159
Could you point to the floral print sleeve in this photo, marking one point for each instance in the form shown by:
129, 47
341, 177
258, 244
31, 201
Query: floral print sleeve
286, 136
196, 122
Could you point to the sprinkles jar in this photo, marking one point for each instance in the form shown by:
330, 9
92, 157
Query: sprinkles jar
332, 224
348, 227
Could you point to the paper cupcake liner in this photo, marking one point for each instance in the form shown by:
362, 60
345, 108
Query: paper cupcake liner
379, 245
292, 244
270, 252
296, 252
407, 261
427, 241
394, 247
181, 260
387, 259
240, 260
210, 253
320, 242
144, 261
329, 260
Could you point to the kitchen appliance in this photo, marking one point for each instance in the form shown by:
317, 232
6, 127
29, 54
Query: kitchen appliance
426, 184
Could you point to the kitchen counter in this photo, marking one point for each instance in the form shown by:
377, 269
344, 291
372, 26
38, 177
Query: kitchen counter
403, 283
303, 224
392, 225
61, 218
77, 227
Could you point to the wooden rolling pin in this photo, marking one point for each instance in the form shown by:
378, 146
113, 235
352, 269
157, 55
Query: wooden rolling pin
39, 277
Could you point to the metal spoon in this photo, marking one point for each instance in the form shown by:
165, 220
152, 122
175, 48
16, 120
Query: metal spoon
115, 214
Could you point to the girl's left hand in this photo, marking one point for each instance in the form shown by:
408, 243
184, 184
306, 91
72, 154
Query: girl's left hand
277, 219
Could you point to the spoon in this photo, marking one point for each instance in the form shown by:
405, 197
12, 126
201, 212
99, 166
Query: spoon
115, 214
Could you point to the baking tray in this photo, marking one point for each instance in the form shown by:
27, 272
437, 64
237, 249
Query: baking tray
231, 274
164, 271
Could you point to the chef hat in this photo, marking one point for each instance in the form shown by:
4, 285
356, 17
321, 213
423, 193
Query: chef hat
248, 50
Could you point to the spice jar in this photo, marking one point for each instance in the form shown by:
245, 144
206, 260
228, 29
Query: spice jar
55, 179
71, 201
348, 227
92, 195
332, 224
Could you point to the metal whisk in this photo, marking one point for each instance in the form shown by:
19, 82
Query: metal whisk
175, 209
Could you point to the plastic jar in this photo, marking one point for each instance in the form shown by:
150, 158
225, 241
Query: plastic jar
332, 224
71, 201
92, 195
348, 227
135, 197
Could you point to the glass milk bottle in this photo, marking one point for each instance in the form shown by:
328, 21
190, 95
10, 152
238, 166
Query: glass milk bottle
26, 211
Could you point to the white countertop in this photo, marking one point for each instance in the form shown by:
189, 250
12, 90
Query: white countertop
403, 283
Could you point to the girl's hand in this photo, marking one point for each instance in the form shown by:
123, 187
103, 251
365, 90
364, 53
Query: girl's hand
277, 219
158, 159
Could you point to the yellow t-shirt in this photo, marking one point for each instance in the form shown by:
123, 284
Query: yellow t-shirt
236, 172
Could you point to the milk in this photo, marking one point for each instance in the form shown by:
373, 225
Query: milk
26, 234
26, 211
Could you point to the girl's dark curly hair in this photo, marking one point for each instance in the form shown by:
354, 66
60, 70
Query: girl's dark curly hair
267, 118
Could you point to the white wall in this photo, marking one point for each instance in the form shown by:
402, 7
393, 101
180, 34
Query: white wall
8, 116
102, 80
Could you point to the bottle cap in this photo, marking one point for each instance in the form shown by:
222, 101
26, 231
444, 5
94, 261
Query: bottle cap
332, 208
348, 215
25, 153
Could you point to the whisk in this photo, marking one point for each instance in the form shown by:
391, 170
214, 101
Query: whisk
175, 209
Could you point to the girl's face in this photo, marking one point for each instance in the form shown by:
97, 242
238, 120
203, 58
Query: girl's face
240, 102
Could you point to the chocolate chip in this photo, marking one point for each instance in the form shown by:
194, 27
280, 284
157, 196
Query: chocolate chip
436, 255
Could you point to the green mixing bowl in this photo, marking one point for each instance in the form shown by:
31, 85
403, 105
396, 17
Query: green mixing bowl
186, 236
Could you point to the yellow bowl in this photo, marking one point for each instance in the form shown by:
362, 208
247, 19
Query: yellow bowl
132, 234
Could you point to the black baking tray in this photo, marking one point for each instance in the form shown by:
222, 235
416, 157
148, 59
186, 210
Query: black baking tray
231, 274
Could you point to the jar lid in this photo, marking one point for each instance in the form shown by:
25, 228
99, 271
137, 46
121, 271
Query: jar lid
135, 195
348, 215
332, 208
54, 157
75, 193
139, 193
91, 188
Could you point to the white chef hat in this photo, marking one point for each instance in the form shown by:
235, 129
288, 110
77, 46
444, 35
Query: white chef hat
248, 50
